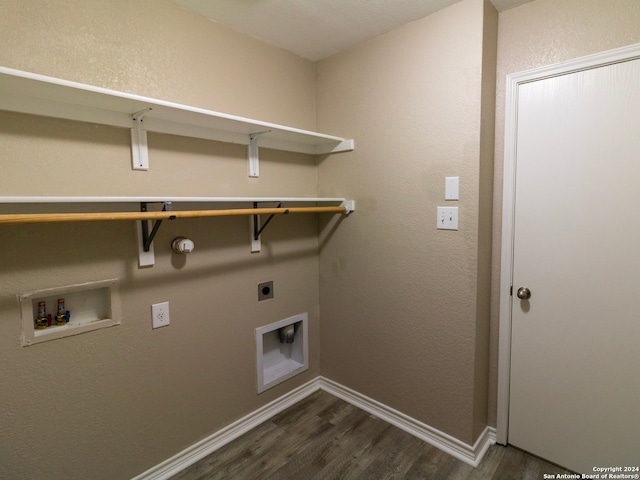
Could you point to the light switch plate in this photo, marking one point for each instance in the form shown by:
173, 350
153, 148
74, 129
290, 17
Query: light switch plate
447, 218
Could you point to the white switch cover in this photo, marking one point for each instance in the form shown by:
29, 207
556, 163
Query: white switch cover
160, 314
447, 218
452, 188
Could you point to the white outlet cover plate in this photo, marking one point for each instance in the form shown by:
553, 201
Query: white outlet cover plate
447, 218
160, 314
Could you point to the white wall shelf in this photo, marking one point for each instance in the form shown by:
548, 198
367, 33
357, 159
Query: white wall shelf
43, 199
36, 94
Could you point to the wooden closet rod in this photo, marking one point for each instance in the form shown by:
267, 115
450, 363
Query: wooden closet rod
105, 216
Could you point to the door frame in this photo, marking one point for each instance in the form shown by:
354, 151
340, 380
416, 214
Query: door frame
514, 81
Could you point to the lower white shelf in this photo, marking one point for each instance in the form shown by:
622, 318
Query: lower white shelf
92, 306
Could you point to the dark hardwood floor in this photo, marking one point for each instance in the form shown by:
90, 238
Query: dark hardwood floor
324, 437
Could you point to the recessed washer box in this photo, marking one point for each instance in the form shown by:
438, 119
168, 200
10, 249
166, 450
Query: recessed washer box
277, 361
93, 306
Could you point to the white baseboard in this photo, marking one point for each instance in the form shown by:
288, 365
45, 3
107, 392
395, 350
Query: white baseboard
471, 455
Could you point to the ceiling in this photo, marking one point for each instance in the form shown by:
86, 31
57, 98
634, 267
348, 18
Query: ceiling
316, 29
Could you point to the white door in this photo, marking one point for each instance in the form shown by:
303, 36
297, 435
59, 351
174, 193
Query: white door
574, 394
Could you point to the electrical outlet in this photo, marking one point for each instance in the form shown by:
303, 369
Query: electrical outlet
160, 314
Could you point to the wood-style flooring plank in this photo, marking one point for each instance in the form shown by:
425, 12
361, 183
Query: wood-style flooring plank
325, 438
433, 463
391, 454
355, 428
228, 460
309, 407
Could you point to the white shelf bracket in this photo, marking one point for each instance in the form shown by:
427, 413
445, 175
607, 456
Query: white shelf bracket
254, 160
139, 148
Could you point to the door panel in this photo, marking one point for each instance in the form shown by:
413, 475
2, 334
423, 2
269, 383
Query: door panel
575, 374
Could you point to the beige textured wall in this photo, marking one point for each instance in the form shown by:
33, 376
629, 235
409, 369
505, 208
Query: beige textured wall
541, 33
401, 318
113, 403
485, 192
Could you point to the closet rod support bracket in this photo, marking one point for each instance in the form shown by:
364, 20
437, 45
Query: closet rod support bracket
147, 237
257, 228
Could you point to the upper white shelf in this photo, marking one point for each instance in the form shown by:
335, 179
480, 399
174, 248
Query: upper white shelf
42, 199
36, 94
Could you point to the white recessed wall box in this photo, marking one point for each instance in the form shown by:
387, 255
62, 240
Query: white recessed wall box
92, 306
282, 350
